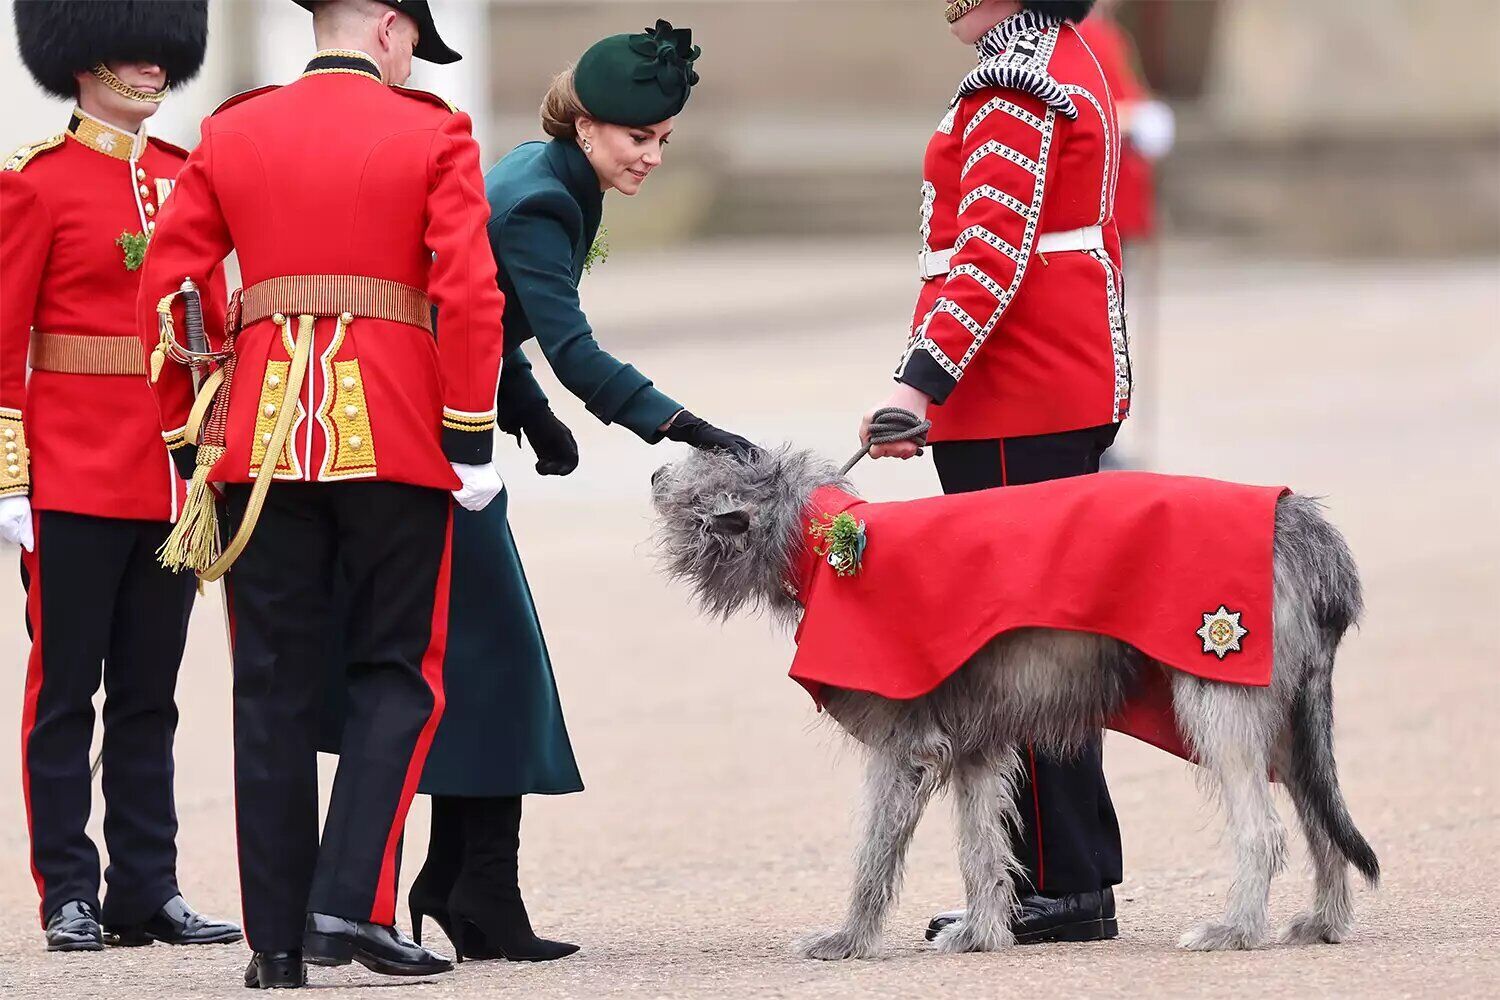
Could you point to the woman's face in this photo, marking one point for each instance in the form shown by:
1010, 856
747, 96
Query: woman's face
624, 155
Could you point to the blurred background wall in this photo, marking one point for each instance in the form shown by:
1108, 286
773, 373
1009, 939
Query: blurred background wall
1326, 127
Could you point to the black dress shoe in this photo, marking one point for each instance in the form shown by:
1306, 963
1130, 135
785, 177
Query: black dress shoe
329, 940
73, 926
275, 970
174, 923
1078, 916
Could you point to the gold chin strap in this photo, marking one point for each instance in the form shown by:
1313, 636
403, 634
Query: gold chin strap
103, 74
958, 8
193, 543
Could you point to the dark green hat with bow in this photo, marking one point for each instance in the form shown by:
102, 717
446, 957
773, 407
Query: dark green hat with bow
638, 79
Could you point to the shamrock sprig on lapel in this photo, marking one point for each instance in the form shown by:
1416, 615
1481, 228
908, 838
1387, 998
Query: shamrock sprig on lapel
598, 250
134, 245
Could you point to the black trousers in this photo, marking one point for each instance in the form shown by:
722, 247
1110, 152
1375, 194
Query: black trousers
389, 542
98, 603
1069, 839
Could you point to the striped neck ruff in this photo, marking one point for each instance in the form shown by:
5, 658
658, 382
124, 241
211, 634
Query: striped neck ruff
995, 41
1013, 55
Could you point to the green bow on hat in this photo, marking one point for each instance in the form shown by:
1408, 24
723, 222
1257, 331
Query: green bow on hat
638, 79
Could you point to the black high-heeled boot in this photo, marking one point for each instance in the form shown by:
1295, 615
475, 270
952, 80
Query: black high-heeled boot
486, 907
434, 883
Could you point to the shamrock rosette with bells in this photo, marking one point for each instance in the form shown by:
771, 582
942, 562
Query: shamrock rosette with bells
841, 540
638, 79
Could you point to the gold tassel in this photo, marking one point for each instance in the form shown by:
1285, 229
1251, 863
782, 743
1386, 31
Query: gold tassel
165, 327
194, 541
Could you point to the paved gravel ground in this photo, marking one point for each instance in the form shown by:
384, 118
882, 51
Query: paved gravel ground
717, 824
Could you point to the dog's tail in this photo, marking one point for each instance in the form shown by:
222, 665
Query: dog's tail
1314, 770
1337, 602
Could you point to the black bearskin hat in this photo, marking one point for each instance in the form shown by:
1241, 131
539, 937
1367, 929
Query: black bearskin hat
61, 37
1068, 10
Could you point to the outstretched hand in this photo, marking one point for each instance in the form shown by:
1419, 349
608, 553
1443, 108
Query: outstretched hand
907, 398
701, 434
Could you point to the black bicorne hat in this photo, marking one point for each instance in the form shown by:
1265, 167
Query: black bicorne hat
430, 45
59, 38
1065, 10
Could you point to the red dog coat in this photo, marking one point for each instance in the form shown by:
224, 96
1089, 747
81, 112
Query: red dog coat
1178, 567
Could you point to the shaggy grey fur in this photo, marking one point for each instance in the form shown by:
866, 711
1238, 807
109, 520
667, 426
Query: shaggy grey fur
732, 530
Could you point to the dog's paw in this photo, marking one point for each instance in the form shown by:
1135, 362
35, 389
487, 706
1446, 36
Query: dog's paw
1310, 928
835, 946
963, 936
1212, 936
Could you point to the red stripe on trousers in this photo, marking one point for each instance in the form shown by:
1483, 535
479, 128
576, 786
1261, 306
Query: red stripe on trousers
1036, 797
384, 910
33, 563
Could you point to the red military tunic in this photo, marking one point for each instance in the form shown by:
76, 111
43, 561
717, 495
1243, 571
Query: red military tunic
338, 176
1135, 192
1010, 338
67, 297
1176, 566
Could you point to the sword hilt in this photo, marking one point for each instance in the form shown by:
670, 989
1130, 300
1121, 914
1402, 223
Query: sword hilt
192, 315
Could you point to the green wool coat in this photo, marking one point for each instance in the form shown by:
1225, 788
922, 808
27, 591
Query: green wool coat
545, 209
502, 731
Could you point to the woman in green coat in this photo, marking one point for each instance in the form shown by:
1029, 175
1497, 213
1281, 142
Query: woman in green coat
502, 734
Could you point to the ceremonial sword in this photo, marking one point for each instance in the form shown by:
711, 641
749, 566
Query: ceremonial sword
197, 342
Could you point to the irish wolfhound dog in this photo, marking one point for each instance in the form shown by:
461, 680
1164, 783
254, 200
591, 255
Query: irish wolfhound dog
732, 530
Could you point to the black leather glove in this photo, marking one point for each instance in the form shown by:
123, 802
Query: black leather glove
556, 451
700, 433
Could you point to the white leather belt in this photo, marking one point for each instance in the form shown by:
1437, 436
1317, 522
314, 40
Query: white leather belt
936, 263
1084, 238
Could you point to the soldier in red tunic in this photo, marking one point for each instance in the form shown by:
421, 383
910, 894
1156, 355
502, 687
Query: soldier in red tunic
1018, 346
339, 426
87, 487
1146, 124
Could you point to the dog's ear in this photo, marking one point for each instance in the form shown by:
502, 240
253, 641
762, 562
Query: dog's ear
731, 522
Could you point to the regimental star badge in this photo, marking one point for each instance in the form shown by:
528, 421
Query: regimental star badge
1221, 632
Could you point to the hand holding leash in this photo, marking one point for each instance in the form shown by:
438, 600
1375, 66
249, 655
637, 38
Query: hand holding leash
890, 430
900, 439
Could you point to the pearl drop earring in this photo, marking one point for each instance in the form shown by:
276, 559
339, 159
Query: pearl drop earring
588, 147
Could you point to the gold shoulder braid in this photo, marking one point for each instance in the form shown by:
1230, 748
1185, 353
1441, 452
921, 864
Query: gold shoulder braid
30, 151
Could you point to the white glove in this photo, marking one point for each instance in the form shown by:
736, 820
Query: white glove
1153, 129
15, 521
481, 484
